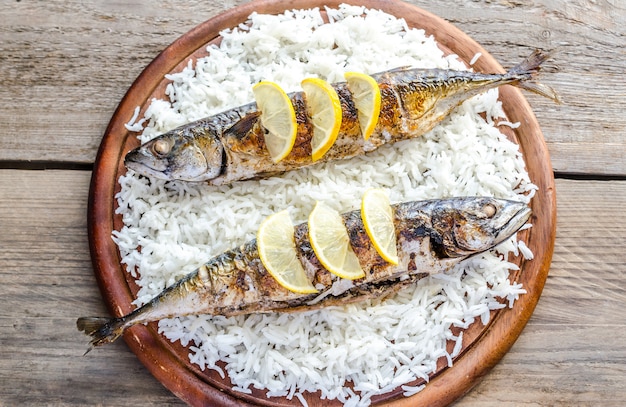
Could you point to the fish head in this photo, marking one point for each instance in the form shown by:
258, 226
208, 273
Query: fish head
177, 155
467, 226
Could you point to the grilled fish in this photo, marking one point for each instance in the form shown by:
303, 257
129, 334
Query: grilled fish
432, 236
230, 146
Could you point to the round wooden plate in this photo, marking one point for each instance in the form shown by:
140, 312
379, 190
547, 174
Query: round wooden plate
483, 346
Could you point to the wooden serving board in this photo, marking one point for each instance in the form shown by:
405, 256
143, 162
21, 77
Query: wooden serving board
483, 346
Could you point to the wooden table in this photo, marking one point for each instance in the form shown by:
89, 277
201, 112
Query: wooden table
64, 66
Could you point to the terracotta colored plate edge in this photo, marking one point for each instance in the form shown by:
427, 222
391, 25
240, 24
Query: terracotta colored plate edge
142, 341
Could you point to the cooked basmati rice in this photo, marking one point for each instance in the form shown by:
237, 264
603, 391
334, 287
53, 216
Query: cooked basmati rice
347, 353
475, 58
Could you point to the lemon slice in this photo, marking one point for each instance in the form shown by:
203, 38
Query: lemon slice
331, 243
277, 250
324, 109
278, 117
366, 96
377, 216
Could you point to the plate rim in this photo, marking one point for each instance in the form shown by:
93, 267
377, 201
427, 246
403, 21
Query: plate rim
495, 339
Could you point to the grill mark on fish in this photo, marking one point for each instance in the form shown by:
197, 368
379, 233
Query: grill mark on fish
302, 146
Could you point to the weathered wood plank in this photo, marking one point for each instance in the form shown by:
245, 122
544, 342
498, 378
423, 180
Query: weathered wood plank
571, 353
565, 356
46, 282
556, 365
66, 64
588, 40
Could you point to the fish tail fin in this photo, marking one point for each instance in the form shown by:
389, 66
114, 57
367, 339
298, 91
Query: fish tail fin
102, 330
530, 68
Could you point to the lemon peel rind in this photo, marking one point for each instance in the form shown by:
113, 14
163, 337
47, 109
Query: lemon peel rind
291, 137
374, 115
271, 269
335, 105
321, 256
388, 257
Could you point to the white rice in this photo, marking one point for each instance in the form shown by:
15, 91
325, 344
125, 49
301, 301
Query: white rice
347, 353
475, 58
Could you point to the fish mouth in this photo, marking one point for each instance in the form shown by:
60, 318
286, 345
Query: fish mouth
144, 164
517, 220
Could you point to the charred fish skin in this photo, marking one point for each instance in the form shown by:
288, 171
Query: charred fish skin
192, 152
230, 146
432, 237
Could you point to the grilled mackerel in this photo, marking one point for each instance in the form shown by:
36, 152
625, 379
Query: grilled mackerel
230, 146
432, 236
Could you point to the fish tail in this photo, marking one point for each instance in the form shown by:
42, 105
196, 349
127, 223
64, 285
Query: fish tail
102, 330
529, 68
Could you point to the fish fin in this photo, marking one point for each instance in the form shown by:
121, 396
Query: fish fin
532, 65
393, 70
102, 330
400, 68
540, 89
244, 125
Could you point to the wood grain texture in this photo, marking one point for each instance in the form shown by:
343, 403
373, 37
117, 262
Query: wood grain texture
66, 64
170, 364
64, 67
46, 280
571, 352
567, 355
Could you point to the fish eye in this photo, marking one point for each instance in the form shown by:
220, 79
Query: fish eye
161, 147
489, 210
